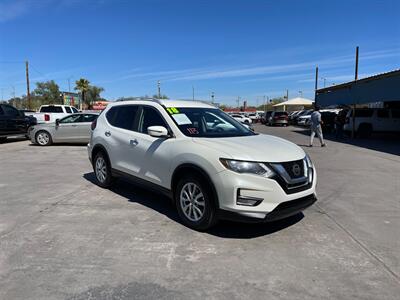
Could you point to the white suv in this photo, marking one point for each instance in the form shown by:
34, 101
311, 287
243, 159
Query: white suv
209, 164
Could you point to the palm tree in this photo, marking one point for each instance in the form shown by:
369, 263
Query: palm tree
94, 93
82, 85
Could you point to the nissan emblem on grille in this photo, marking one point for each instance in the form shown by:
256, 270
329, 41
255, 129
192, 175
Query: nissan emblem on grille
296, 169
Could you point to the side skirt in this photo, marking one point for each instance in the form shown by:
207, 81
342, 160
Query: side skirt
143, 183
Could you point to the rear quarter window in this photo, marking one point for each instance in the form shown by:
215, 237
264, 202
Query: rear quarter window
51, 109
68, 110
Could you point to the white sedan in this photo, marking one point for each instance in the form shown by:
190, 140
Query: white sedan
242, 118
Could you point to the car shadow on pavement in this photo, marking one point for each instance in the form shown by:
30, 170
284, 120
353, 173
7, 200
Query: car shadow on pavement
137, 194
237, 230
13, 140
388, 143
163, 205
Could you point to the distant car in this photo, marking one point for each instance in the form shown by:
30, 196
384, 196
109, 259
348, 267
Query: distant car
265, 117
74, 128
369, 120
303, 118
294, 118
278, 118
255, 117
241, 118
13, 122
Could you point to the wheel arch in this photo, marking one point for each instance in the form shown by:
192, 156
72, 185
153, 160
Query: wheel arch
96, 149
193, 168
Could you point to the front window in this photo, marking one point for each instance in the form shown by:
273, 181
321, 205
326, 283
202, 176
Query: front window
207, 122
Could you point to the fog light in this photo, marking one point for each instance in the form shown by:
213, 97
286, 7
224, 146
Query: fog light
247, 200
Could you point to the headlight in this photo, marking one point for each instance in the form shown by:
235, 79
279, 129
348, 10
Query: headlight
247, 167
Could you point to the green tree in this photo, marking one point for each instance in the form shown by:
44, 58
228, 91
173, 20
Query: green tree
161, 97
93, 94
48, 92
82, 85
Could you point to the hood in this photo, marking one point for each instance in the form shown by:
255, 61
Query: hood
258, 147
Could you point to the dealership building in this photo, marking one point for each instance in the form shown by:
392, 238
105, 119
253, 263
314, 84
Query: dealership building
382, 90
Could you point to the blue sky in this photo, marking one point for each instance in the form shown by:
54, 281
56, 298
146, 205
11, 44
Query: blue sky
232, 48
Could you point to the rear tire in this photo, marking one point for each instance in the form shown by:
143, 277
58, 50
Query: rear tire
102, 170
195, 204
43, 138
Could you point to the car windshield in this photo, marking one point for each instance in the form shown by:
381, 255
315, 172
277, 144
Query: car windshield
207, 122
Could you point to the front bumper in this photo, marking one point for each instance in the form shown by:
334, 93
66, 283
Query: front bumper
282, 211
229, 185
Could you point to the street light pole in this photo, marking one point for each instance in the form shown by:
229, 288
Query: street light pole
159, 89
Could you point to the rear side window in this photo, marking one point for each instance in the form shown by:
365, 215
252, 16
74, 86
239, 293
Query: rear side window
10, 111
51, 109
150, 117
74, 109
364, 113
383, 113
122, 116
68, 110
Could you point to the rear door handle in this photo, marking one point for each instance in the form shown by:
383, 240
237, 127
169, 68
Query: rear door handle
134, 142
107, 133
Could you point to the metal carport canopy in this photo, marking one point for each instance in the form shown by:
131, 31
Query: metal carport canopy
383, 87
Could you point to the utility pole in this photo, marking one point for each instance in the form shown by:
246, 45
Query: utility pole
316, 86
193, 92
264, 103
28, 94
159, 89
354, 102
238, 101
69, 84
212, 97
13, 87
287, 95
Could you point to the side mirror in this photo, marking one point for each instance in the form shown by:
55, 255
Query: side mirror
57, 122
157, 131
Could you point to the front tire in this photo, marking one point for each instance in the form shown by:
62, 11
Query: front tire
102, 170
43, 138
194, 202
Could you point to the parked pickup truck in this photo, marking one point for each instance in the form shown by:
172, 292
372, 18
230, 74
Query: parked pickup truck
50, 113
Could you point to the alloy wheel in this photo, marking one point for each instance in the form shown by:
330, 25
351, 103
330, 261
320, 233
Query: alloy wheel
101, 169
43, 138
192, 202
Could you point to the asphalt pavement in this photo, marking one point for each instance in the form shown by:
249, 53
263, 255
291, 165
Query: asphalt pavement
63, 237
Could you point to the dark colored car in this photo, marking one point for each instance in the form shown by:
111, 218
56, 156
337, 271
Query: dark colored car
13, 122
328, 121
279, 118
265, 117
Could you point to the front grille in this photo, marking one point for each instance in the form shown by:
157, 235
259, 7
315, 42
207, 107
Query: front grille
292, 176
294, 168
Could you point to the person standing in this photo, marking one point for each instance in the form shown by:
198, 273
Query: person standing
316, 128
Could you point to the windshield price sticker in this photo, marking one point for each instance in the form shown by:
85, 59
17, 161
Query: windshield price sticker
172, 110
181, 119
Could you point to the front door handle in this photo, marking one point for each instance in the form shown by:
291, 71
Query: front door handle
134, 142
107, 133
